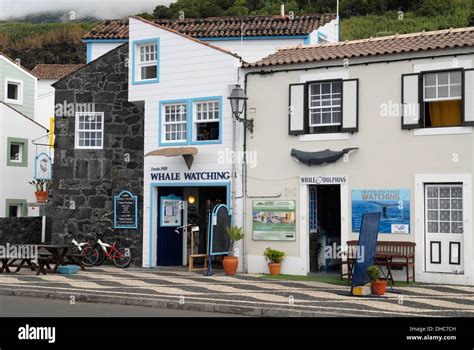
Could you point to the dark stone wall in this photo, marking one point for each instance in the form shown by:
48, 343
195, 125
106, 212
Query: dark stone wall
23, 230
60, 53
91, 178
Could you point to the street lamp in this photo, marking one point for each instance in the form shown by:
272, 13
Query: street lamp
238, 99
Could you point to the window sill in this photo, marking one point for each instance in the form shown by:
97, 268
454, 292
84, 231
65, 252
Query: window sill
139, 82
14, 102
324, 137
443, 131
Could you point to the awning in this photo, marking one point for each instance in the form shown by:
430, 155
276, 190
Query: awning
319, 157
187, 153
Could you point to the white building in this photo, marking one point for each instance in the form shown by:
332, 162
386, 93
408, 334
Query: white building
18, 130
251, 37
406, 103
184, 84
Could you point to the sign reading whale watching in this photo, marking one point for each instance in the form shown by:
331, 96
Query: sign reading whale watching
125, 210
394, 206
162, 174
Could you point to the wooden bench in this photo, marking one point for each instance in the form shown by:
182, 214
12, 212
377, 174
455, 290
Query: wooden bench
388, 253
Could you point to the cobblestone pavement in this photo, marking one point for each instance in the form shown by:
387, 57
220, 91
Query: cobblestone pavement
180, 288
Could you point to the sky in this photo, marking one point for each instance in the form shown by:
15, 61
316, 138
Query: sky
103, 9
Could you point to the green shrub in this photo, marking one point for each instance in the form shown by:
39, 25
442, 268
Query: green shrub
273, 256
374, 272
235, 234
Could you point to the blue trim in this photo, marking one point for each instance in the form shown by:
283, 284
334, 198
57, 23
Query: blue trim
89, 52
190, 121
169, 198
210, 239
234, 38
306, 40
91, 41
238, 38
136, 210
50, 167
177, 184
158, 52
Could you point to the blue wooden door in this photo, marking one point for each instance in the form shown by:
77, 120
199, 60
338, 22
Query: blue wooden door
170, 244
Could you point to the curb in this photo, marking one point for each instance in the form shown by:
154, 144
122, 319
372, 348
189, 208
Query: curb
159, 303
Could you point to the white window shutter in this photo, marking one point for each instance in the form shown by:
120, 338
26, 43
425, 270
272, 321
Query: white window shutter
410, 101
296, 109
350, 105
469, 97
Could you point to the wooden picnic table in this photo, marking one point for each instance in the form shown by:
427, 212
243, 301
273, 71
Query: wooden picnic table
58, 255
48, 255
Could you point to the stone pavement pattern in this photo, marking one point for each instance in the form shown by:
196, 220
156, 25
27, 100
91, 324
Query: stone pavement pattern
243, 293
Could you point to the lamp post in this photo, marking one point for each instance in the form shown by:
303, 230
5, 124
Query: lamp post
238, 98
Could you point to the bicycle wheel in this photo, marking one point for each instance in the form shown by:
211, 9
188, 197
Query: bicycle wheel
101, 258
90, 256
123, 258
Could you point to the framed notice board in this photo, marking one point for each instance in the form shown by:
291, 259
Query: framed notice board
125, 210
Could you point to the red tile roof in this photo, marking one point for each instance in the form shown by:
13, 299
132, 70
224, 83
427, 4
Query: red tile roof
441, 39
216, 27
54, 71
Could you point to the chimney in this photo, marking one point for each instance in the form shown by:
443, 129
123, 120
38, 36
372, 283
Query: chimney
282, 9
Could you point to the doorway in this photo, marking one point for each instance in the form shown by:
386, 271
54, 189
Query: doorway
324, 226
444, 232
172, 243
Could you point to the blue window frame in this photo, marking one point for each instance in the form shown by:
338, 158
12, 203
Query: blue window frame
146, 61
193, 121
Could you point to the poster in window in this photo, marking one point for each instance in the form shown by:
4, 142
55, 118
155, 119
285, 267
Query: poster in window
394, 206
274, 220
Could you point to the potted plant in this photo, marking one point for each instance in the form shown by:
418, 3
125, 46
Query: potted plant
231, 262
274, 258
41, 190
378, 285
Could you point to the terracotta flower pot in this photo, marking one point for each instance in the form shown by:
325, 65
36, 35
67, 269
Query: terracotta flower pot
274, 268
378, 287
230, 264
41, 196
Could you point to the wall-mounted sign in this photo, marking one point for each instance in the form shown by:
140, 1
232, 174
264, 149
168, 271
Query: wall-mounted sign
170, 213
125, 210
394, 206
43, 167
274, 220
322, 180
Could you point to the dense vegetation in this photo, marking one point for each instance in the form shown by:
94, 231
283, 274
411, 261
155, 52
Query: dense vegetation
20, 35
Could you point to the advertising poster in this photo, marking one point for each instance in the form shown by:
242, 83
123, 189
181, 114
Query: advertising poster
394, 206
274, 220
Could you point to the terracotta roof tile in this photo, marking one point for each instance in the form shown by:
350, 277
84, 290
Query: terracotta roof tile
214, 27
441, 39
54, 71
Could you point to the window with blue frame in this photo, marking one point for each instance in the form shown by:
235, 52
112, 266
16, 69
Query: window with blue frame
146, 61
206, 120
191, 121
174, 122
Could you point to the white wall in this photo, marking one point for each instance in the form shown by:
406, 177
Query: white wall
45, 102
253, 50
100, 48
188, 69
14, 180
